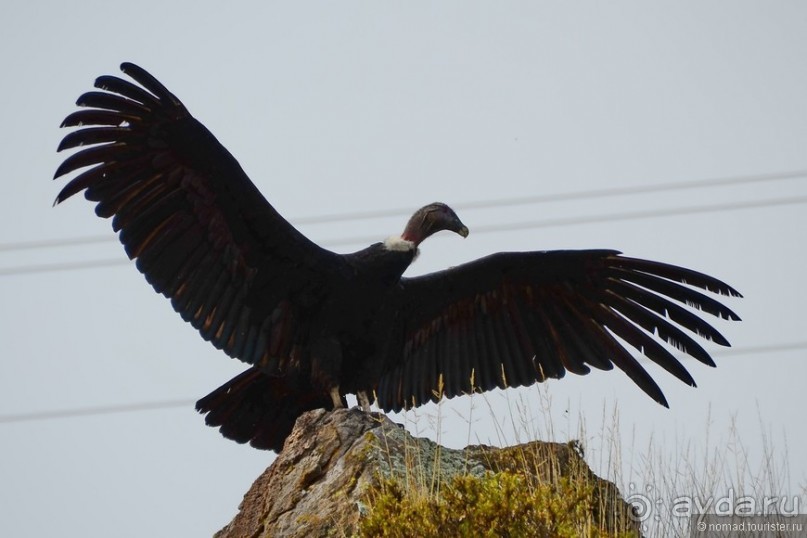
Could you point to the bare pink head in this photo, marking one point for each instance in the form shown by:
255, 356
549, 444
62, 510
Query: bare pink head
431, 219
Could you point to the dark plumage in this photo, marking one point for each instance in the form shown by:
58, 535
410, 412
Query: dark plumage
315, 325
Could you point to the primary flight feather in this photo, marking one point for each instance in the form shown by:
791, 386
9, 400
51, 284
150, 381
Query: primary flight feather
315, 325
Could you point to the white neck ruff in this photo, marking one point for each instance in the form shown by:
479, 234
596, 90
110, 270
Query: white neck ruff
399, 244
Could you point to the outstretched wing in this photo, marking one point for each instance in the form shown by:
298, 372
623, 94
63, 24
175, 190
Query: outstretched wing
512, 319
202, 233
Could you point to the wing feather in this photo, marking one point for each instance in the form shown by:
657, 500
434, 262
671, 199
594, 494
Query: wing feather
462, 355
546, 362
643, 343
593, 350
675, 291
513, 357
483, 377
495, 361
110, 101
446, 357
679, 274
147, 81
674, 312
123, 87
94, 135
81, 118
198, 228
628, 364
536, 315
640, 314
566, 341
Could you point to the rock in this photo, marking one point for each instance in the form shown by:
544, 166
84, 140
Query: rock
316, 487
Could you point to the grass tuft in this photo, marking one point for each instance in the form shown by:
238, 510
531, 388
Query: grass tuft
537, 489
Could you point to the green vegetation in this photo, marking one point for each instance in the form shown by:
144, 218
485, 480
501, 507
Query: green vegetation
496, 505
539, 489
530, 490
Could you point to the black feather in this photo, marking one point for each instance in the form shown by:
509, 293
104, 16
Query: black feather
94, 135
312, 320
83, 118
678, 292
150, 83
679, 274
127, 89
108, 101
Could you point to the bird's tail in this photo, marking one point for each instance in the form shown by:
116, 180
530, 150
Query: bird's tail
259, 408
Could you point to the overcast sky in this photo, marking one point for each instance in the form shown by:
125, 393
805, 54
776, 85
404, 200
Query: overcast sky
339, 107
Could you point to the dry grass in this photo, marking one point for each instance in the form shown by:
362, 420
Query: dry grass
661, 479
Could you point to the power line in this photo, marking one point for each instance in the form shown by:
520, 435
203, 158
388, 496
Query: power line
65, 266
491, 228
170, 404
479, 204
95, 410
647, 214
575, 195
54, 243
769, 348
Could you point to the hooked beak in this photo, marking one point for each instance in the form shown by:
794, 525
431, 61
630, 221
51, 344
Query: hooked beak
462, 230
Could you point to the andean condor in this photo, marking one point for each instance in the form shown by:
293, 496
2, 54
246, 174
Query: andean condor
315, 325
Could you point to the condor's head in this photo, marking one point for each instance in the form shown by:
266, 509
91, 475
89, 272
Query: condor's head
427, 221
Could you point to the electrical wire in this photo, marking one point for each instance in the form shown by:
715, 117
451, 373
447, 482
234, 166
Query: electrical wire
95, 410
491, 228
575, 195
479, 204
64, 266
559, 222
171, 404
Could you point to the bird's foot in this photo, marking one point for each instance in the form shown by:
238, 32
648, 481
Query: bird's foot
337, 398
364, 401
